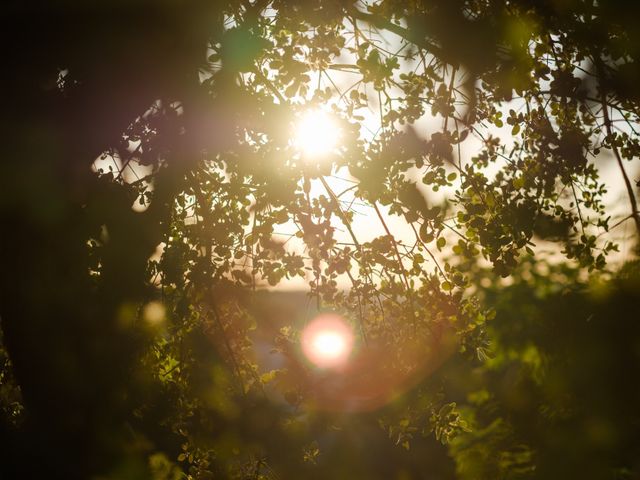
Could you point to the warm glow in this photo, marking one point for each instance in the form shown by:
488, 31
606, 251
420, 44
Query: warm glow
329, 344
327, 340
316, 134
154, 313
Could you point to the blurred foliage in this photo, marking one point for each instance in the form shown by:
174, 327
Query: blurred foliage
148, 174
555, 400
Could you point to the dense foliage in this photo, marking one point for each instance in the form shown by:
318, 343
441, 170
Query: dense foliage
152, 186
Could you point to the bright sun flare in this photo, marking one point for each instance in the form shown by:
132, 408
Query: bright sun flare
316, 134
329, 344
327, 341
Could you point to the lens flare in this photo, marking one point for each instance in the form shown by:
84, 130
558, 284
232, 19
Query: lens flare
316, 134
327, 341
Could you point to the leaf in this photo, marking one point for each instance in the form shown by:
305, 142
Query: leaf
269, 376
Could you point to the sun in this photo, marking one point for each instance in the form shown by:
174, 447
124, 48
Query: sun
327, 341
316, 134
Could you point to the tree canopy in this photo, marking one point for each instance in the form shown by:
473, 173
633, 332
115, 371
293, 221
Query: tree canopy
473, 163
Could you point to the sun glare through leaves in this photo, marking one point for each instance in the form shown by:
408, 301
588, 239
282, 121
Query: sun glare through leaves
316, 134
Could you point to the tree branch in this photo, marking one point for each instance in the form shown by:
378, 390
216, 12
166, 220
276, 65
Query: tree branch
607, 123
402, 32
